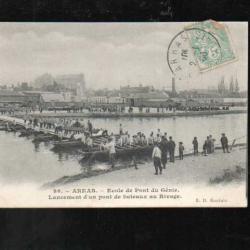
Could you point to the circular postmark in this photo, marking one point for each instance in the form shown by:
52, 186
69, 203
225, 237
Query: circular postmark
191, 47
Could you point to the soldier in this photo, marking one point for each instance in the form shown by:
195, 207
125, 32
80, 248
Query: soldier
120, 129
181, 149
205, 148
156, 156
164, 151
90, 127
158, 138
151, 139
212, 143
224, 143
209, 145
112, 152
165, 135
159, 132
89, 142
195, 145
171, 147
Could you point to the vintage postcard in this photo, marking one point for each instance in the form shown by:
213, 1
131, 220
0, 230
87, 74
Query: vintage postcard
123, 114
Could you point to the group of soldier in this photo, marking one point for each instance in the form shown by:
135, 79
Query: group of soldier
165, 147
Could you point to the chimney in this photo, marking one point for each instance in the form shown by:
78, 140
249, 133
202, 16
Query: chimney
173, 86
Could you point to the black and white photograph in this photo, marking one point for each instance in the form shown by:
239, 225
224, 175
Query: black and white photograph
142, 114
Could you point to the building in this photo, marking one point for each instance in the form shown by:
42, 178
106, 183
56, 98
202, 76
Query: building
68, 96
116, 100
97, 100
11, 97
127, 90
33, 97
202, 96
234, 101
101, 100
151, 99
73, 82
50, 99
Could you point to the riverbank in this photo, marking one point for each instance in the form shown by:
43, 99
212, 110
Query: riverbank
194, 170
130, 115
183, 184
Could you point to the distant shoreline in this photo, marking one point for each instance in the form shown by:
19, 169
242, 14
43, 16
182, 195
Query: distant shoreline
135, 115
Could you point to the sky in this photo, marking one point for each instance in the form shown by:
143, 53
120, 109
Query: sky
110, 55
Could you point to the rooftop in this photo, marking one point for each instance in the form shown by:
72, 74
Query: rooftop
150, 95
52, 97
4, 92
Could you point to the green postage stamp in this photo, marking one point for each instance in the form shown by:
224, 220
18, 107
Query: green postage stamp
211, 43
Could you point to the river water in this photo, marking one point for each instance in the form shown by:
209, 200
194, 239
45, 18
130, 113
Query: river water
21, 161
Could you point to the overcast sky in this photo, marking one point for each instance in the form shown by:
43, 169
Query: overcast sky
109, 54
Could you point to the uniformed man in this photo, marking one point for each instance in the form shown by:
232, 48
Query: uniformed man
171, 147
159, 132
212, 140
120, 129
156, 156
224, 143
90, 127
164, 151
151, 139
195, 145
89, 142
205, 148
181, 150
209, 145
111, 148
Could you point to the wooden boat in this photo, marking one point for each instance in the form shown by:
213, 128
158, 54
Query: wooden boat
29, 132
77, 143
128, 152
122, 152
45, 138
68, 144
3, 128
12, 129
26, 132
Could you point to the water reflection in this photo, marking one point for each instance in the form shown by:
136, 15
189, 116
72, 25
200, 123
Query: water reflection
24, 161
181, 128
36, 146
